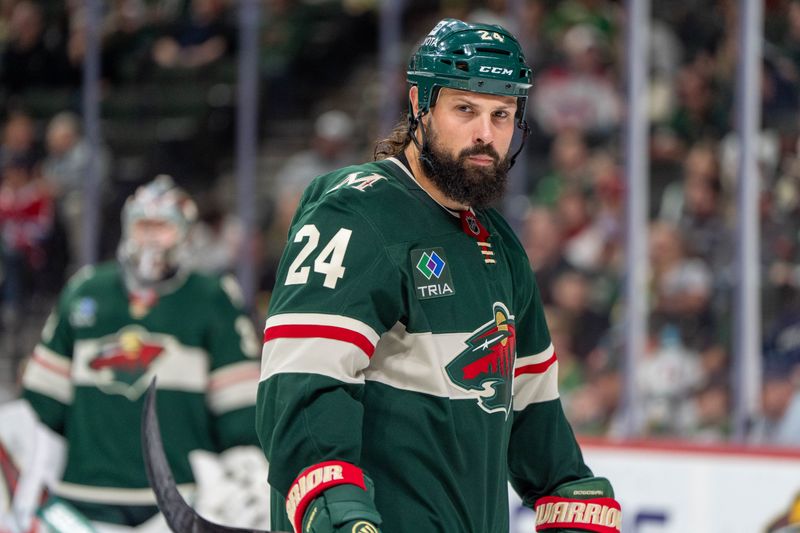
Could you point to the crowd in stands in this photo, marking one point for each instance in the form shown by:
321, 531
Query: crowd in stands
168, 80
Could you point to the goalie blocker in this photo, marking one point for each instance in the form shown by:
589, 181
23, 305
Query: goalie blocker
580, 506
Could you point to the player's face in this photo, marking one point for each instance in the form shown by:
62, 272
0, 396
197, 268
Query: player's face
474, 121
466, 133
154, 233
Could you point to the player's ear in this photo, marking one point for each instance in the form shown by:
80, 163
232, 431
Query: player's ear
413, 97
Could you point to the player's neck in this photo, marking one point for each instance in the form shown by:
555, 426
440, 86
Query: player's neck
412, 154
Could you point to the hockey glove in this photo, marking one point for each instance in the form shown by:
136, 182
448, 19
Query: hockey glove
580, 506
333, 497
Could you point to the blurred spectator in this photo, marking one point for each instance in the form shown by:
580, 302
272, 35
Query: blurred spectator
569, 168
600, 15
202, 39
28, 59
702, 224
585, 239
707, 415
778, 422
216, 240
665, 57
331, 147
700, 114
127, 43
492, 12
26, 221
19, 138
593, 408
542, 240
666, 376
790, 45
682, 286
562, 332
65, 169
580, 93
571, 295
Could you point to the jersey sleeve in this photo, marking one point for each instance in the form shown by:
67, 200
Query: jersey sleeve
47, 381
336, 292
234, 369
543, 452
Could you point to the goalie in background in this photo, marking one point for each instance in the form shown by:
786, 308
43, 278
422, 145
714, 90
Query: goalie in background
115, 327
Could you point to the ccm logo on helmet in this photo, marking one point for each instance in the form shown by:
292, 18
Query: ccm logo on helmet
496, 70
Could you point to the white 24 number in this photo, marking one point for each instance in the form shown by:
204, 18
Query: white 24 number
328, 262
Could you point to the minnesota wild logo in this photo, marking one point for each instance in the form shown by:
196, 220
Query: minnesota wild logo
486, 366
124, 362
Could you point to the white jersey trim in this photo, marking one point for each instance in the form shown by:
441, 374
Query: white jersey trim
416, 362
336, 359
536, 379
48, 373
233, 386
114, 495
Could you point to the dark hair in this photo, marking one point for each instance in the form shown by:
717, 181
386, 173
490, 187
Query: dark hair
394, 144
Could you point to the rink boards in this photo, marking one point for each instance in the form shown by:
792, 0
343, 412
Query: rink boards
667, 487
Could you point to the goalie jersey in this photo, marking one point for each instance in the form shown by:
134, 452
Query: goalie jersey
410, 340
100, 350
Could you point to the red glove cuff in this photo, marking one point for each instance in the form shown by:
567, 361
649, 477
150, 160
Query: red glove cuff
313, 481
602, 515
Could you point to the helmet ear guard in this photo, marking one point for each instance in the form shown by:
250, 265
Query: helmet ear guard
481, 58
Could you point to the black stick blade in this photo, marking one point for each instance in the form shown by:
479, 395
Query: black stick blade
179, 515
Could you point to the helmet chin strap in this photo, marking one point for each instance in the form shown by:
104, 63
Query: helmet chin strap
424, 147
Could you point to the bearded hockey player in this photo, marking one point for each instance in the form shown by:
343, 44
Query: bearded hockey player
408, 372
118, 325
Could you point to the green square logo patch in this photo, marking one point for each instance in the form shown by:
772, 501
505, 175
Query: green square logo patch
432, 278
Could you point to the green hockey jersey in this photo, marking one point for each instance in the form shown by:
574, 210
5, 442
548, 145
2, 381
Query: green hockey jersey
410, 340
98, 353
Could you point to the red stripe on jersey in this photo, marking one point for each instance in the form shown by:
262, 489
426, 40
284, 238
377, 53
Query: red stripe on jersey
536, 368
306, 331
240, 375
50, 366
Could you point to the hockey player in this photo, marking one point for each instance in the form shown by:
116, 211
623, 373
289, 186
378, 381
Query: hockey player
407, 369
115, 327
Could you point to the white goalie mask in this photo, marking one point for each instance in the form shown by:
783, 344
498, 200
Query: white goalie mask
156, 221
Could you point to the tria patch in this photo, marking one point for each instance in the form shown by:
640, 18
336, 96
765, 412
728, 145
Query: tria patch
432, 278
486, 366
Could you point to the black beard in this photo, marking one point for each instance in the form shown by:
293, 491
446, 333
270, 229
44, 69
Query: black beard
466, 184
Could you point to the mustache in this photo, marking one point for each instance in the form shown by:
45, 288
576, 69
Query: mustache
480, 149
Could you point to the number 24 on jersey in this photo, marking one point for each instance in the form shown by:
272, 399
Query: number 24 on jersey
327, 262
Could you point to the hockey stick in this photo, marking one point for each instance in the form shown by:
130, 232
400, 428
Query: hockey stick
179, 515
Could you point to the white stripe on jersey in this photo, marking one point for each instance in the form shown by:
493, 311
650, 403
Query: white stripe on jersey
416, 362
48, 373
233, 387
336, 359
540, 383
535, 359
407, 361
113, 495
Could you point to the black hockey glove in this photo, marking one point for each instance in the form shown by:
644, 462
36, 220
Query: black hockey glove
580, 506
